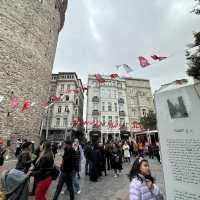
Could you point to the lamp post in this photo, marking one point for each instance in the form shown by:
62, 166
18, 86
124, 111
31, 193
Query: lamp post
66, 132
47, 122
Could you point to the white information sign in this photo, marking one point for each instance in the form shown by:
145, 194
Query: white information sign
178, 113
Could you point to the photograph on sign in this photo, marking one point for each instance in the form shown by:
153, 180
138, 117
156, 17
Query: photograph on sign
177, 109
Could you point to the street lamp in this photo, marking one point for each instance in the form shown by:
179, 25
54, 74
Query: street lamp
47, 122
67, 123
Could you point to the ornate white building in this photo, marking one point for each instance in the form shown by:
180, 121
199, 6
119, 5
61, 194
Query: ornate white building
119, 102
63, 112
106, 103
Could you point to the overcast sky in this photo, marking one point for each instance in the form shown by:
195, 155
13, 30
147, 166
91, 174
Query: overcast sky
99, 34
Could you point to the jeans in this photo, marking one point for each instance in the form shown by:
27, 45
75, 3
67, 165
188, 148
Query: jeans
108, 161
88, 165
68, 180
76, 182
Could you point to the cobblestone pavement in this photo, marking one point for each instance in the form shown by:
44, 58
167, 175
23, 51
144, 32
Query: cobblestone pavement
107, 188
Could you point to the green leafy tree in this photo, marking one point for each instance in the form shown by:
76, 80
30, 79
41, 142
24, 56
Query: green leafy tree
194, 56
149, 121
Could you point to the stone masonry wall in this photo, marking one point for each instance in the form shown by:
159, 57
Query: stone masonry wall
29, 32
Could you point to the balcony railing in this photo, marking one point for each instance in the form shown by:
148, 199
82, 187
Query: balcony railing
122, 113
95, 99
121, 100
95, 112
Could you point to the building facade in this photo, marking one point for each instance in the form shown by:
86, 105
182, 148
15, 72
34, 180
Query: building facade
139, 101
28, 38
67, 99
106, 104
114, 105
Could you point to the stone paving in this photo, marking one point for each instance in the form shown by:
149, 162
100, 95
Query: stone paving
107, 188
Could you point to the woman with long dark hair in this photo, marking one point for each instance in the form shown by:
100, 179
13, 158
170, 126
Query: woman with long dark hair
43, 171
142, 186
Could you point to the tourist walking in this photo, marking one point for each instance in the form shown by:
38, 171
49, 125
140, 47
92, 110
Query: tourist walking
116, 160
126, 150
67, 171
77, 168
37, 153
88, 158
102, 160
142, 185
24, 158
141, 146
95, 168
43, 171
108, 155
15, 181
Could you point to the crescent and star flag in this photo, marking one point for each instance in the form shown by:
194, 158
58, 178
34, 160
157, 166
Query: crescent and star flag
159, 58
143, 61
114, 76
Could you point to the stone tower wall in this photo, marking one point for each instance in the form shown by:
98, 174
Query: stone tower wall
29, 32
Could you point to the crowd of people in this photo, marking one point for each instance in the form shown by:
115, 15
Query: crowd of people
99, 158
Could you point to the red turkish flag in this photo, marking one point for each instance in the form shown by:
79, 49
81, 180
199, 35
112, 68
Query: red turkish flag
143, 61
159, 58
26, 105
114, 76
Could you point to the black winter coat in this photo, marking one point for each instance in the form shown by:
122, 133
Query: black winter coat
43, 167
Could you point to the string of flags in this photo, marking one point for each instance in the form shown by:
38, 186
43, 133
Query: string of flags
108, 124
100, 79
144, 62
27, 104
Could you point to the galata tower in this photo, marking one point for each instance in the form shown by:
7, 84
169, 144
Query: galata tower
29, 32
